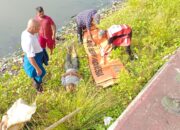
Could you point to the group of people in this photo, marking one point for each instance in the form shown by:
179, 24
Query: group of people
35, 53
34, 46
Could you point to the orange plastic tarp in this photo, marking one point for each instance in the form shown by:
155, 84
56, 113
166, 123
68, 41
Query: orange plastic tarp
103, 74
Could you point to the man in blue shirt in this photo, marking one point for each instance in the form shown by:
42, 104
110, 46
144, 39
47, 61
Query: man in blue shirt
85, 20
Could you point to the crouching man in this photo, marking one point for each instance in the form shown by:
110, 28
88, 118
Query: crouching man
117, 35
71, 78
85, 20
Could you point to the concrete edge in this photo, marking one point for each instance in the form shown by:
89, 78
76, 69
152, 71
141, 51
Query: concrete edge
146, 88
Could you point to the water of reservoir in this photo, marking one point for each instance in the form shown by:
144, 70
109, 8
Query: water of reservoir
14, 15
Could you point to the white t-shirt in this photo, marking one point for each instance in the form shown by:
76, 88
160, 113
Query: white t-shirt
30, 44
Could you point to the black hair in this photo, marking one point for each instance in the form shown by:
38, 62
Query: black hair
39, 9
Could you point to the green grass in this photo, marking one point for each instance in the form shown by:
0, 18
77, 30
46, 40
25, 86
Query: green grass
156, 32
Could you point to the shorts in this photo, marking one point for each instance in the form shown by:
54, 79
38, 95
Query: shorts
46, 42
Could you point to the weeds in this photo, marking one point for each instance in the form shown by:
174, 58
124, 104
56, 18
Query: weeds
156, 32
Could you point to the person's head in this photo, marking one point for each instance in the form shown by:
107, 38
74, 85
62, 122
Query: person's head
40, 11
70, 87
96, 18
33, 26
101, 33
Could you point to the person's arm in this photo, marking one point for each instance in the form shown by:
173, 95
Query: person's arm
64, 75
72, 73
76, 74
89, 24
107, 49
108, 46
63, 81
28, 46
90, 35
34, 64
53, 27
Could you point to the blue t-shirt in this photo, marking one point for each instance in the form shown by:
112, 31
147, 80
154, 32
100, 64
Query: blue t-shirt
84, 18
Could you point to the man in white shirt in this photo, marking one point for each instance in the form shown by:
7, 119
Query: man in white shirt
33, 54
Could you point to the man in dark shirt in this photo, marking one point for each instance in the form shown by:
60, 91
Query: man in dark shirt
85, 20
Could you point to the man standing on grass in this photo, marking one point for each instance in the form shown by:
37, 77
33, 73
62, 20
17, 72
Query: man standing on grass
33, 54
47, 32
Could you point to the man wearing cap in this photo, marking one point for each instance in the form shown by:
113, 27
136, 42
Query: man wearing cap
47, 30
85, 20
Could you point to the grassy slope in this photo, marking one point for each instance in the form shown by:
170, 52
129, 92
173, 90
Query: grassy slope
155, 34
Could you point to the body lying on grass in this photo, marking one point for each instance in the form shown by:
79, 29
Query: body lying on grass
71, 78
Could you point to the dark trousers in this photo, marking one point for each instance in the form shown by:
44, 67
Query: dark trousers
71, 63
128, 50
80, 33
45, 58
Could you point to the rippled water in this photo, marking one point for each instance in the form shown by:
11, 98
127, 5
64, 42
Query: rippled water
14, 15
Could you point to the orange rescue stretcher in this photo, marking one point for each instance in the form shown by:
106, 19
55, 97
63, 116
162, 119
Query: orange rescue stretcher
104, 75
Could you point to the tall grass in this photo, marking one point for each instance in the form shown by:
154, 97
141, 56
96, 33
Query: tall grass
156, 32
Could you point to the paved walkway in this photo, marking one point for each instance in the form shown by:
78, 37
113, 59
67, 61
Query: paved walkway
146, 112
